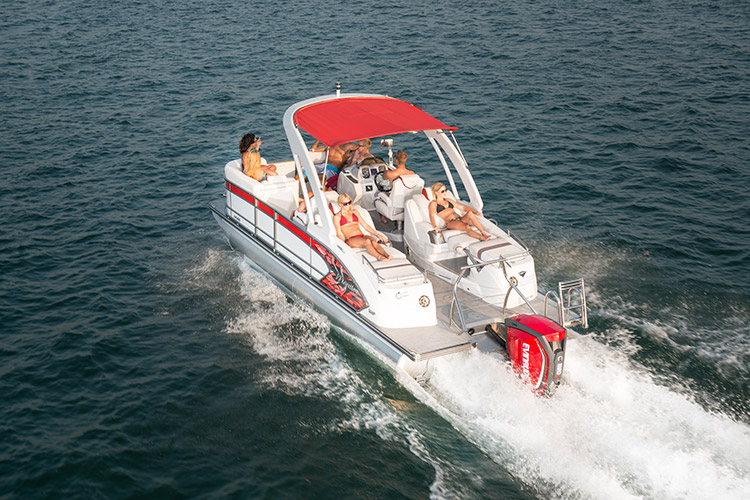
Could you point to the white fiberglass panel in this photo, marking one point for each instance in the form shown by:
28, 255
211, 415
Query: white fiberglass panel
265, 229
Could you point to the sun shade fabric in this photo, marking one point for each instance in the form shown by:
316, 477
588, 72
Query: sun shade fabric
350, 119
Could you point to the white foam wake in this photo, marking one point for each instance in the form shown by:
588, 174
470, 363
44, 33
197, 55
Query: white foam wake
306, 362
610, 431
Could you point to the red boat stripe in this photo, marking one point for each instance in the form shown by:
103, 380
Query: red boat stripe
268, 210
265, 208
350, 297
290, 226
239, 192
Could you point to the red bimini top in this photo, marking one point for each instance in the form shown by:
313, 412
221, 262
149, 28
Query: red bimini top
349, 119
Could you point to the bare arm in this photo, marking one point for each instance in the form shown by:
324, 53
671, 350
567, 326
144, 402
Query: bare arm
466, 208
433, 214
269, 169
318, 146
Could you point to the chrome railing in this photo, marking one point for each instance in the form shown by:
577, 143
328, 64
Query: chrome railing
456, 303
567, 290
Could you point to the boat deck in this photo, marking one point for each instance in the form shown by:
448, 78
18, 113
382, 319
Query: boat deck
433, 341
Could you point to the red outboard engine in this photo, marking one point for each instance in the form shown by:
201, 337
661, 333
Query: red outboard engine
536, 346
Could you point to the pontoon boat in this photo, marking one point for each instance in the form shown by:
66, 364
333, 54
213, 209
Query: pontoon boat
442, 293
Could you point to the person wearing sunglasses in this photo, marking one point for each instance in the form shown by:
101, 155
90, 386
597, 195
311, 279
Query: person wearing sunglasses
445, 209
359, 154
350, 229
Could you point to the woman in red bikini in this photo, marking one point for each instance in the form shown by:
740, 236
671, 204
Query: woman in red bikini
349, 227
444, 208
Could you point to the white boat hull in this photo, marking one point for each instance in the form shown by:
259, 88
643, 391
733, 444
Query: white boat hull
314, 294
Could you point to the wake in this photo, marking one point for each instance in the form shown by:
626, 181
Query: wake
610, 431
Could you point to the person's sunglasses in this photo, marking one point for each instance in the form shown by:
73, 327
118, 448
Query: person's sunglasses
346, 203
442, 191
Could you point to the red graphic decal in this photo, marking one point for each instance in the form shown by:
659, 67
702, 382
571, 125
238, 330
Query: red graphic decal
338, 280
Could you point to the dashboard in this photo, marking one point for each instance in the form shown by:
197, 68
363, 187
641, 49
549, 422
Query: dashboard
360, 182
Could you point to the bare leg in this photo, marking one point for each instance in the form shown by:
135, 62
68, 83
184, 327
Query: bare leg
462, 226
473, 219
380, 253
369, 244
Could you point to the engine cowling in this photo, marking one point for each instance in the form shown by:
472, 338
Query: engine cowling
536, 346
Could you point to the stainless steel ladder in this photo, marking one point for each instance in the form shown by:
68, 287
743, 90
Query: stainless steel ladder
571, 303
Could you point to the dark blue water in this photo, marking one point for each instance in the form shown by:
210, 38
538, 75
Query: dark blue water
141, 358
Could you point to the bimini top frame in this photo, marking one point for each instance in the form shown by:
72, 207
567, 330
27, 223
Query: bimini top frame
337, 119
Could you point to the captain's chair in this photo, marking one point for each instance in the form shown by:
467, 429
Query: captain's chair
391, 205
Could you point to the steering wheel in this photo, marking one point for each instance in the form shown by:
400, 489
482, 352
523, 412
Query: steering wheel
383, 185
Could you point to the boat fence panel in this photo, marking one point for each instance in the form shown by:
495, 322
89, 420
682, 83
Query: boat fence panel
265, 224
292, 243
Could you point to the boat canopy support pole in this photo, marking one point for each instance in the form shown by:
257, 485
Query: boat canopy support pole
301, 175
448, 173
442, 144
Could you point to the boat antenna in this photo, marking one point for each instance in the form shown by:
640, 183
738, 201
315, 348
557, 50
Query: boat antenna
338, 89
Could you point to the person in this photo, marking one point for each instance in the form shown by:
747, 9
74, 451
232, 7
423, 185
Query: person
362, 152
392, 175
337, 156
252, 164
349, 228
445, 209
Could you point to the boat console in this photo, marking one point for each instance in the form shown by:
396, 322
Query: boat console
363, 182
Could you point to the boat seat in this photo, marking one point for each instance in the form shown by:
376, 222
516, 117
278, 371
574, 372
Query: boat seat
418, 212
399, 269
499, 246
334, 207
278, 191
391, 205
421, 213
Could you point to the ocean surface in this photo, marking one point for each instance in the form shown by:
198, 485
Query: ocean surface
141, 357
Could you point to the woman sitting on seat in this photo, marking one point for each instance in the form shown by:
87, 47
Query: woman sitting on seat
252, 163
349, 227
444, 208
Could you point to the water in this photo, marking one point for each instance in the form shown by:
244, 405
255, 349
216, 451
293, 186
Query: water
141, 357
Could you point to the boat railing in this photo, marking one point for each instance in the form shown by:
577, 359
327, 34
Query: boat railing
252, 225
569, 312
456, 303
514, 236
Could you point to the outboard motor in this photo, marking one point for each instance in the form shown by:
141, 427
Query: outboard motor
536, 346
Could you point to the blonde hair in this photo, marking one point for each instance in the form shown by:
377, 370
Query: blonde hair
365, 143
253, 168
400, 156
342, 197
436, 187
